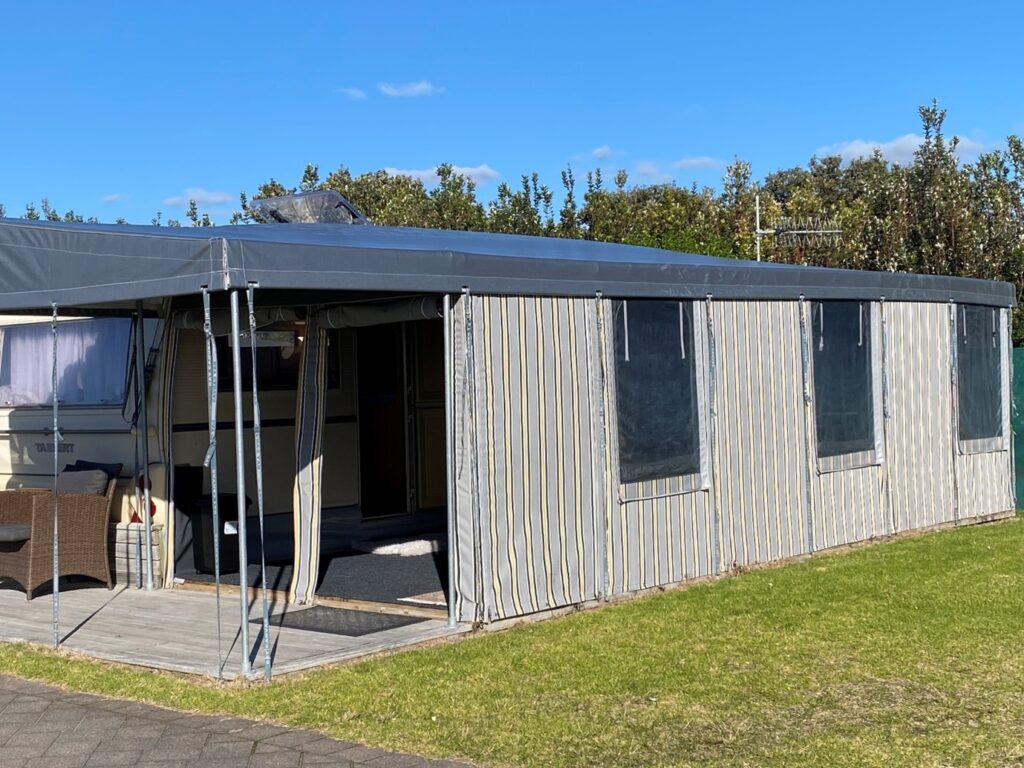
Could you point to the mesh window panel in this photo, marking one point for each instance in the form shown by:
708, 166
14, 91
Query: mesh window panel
841, 349
656, 390
979, 363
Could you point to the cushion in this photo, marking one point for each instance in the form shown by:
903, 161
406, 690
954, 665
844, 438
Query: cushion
83, 481
81, 465
13, 533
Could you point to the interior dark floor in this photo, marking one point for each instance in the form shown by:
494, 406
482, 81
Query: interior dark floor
353, 564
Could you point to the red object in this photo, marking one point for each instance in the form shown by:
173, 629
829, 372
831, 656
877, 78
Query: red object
142, 495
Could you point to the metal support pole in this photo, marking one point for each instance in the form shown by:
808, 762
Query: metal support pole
56, 443
211, 463
140, 382
449, 415
257, 444
243, 559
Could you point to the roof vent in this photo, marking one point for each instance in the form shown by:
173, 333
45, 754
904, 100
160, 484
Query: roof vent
321, 207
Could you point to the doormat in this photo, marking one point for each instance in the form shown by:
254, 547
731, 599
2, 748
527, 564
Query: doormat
339, 621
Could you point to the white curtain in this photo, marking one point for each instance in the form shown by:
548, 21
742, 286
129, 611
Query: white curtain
91, 359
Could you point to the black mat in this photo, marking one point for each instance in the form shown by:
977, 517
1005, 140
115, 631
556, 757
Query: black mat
339, 621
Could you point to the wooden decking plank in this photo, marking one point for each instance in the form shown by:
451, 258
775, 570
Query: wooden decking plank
177, 630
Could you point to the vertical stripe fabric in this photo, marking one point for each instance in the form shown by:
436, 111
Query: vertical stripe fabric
920, 430
530, 401
761, 447
543, 520
309, 430
462, 541
166, 440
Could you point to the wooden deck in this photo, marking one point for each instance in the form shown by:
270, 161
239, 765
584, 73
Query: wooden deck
176, 630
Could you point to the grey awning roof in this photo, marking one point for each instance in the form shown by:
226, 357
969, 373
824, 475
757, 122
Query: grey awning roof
80, 264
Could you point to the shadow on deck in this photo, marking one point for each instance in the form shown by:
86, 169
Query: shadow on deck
177, 630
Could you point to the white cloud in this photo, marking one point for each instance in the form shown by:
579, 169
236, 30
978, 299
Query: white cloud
200, 195
603, 152
116, 197
696, 162
420, 88
353, 93
970, 147
899, 150
647, 169
481, 174
651, 172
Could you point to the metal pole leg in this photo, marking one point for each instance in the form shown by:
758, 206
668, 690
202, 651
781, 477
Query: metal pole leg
140, 374
257, 446
56, 533
211, 463
243, 555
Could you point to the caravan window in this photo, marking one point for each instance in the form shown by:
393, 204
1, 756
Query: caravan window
979, 372
656, 390
841, 341
92, 358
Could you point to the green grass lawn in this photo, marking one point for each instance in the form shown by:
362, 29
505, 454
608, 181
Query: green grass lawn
903, 653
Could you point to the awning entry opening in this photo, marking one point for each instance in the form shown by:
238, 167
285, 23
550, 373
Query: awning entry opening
368, 406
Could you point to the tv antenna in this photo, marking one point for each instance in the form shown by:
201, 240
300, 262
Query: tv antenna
790, 231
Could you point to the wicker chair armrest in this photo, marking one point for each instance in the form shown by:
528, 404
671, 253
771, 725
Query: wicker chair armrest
16, 506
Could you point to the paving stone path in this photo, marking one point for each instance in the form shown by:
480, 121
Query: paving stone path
45, 727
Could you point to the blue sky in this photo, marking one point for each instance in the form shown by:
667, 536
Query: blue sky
120, 109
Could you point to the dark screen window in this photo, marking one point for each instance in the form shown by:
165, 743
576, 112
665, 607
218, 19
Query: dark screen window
841, 352
656, 390
979, 372
277, 367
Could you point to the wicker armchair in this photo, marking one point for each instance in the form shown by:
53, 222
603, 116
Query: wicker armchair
83, 520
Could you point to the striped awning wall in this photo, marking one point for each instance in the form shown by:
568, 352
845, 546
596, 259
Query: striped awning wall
537, 494
544, 521
849, 505
309, 433
659, 531
985, 479
761, 445
848, 498
920, 424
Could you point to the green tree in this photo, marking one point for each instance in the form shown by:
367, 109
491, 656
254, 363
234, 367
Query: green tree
526, 211
569, 224
197, 219
310, 178
453, 203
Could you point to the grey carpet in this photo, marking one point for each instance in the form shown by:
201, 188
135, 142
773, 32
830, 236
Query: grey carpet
359, 576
